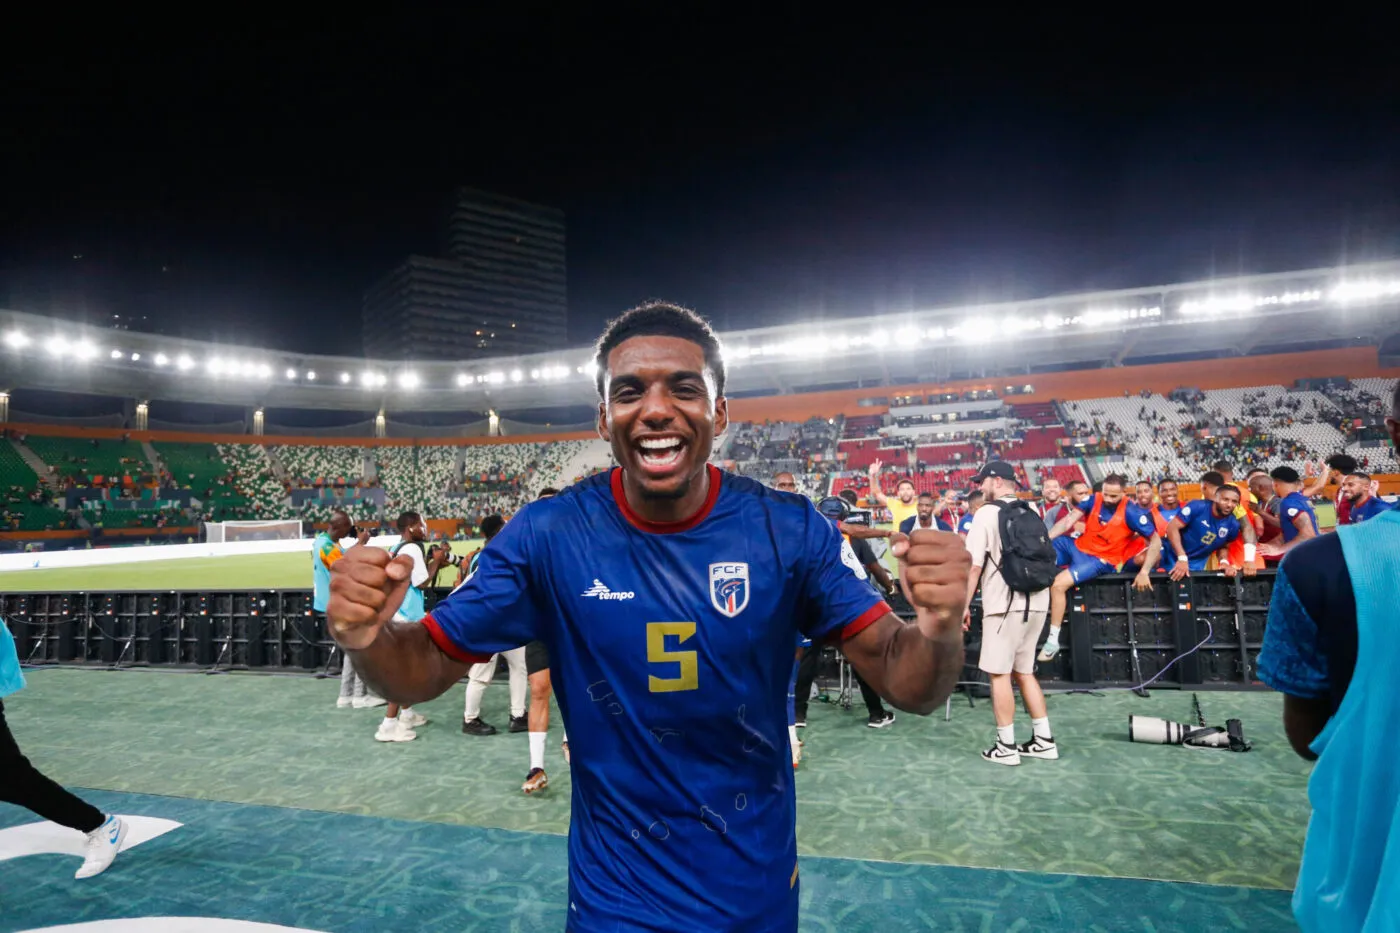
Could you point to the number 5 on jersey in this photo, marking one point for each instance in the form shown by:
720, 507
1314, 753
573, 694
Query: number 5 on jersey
657, 653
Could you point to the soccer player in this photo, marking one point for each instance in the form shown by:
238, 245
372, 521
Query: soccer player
974, 502
1168, 500
670, 594
1206, 527
926, 515
325, 550
1356, 488
1115, 531
517, 666
1214, 480
401, 719
1297, 519
1144, 494
537, 670
1338, 467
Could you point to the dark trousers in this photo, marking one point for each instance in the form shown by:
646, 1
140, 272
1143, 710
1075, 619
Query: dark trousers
22, 784
873, 706
806, 675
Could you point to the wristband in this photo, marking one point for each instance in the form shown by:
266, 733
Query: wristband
1182, 557
1249, 553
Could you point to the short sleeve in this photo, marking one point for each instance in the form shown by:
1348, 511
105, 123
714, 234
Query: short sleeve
979, 534
840, 601
420, 567
1184, 515
498, 607
1292, 660
1141, 521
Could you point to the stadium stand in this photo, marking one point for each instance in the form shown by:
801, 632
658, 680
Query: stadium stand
321, 466
91, 461
25, 504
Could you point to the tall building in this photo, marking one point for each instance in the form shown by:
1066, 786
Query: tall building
500, 290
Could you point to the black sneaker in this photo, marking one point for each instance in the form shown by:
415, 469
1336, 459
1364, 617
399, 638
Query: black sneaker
1002, 754
477, 727
519, 724
881, 720
1039, 748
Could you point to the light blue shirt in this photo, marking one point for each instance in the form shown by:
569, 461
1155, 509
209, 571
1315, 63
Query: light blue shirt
11, 677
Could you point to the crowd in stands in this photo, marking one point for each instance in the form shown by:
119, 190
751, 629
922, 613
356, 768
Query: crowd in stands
47, 483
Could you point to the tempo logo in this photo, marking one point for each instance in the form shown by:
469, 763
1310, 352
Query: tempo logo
599, 590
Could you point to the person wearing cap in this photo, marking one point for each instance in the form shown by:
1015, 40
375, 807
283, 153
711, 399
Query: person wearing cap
1011, 624
855, 551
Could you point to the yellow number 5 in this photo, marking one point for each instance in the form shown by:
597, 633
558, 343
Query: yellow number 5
689, 678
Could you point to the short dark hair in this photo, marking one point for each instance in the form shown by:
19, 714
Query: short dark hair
1163, 482
1212, 477
974, 495
1361, 476
491, 526
1144, 482
1116, 479
1228, 487
850, 495
1342, 463
407, 520
925, 495
902, 481
1223, 466
546, 492
1285, 474
658, 319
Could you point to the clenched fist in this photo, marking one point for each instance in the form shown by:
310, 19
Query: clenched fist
367, 588
933, 570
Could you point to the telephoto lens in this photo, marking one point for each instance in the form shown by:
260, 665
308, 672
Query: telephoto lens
1156, 731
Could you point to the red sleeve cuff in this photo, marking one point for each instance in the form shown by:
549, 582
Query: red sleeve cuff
448, 647
863, 621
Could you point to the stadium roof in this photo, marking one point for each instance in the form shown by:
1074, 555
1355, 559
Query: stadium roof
1236, 316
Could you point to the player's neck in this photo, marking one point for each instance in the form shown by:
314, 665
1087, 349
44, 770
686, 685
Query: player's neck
667, 511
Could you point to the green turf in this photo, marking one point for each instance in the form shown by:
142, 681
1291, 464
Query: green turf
916, 792
247, 571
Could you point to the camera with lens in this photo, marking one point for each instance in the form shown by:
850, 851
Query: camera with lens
1156, 731
444, 552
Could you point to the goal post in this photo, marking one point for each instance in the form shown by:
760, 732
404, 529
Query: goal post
223, 532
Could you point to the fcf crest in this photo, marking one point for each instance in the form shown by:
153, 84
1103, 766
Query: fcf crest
729, 587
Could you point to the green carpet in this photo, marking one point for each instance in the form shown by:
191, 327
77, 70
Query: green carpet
916, 792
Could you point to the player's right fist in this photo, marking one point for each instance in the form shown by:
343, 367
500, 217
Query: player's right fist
367, 588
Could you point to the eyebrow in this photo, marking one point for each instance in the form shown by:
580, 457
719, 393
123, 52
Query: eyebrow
679, 376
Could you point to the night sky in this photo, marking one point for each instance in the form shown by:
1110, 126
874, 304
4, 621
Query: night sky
246, 180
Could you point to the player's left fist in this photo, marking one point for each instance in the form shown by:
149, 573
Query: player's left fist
933, 570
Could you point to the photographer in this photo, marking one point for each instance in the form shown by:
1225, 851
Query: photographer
398, 724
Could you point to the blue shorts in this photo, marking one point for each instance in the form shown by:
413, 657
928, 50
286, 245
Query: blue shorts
1082, 567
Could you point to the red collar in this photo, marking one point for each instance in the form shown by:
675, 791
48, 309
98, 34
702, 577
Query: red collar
665, 528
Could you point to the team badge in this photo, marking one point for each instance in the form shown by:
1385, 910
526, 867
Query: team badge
729, 587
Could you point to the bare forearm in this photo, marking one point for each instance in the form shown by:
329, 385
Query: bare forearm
403, 664
913, 672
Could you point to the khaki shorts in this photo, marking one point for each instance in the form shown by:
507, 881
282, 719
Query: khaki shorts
1008, 642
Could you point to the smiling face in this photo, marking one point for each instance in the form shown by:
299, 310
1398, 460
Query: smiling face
1169, 494
1145, 494
1356, 488
660, 413
1227, 499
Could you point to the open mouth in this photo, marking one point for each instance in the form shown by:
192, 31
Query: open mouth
659, 454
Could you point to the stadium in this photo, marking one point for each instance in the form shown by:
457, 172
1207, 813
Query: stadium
139, 550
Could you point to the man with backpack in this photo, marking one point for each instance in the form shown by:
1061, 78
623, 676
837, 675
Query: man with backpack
1013, 562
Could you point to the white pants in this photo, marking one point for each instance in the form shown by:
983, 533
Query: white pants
480, 675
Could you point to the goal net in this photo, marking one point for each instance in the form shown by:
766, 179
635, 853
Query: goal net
221, 532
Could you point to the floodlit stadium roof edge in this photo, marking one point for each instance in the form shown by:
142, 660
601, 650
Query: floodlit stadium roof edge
991, 339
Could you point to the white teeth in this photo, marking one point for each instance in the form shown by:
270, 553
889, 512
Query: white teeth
660, 443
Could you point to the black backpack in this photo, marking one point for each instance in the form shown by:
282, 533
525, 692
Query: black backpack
1028, 563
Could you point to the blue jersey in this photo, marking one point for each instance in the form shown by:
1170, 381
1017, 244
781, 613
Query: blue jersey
671, 649
965, 524
1289, 508
1372, 507
1204, 531
1168, 514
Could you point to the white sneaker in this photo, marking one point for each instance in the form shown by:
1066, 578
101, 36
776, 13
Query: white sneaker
394, 730
344, 702
103, 844
369, 700
1039, 747
1002, 754
412, 718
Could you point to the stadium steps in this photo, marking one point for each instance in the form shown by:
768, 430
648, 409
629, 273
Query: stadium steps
279, 469
151, 455
35, 463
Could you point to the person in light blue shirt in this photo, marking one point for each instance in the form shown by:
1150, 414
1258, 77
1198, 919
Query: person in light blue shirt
1331, 646
26, 786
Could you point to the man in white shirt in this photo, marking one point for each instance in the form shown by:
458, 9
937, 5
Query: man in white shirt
1011, 623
